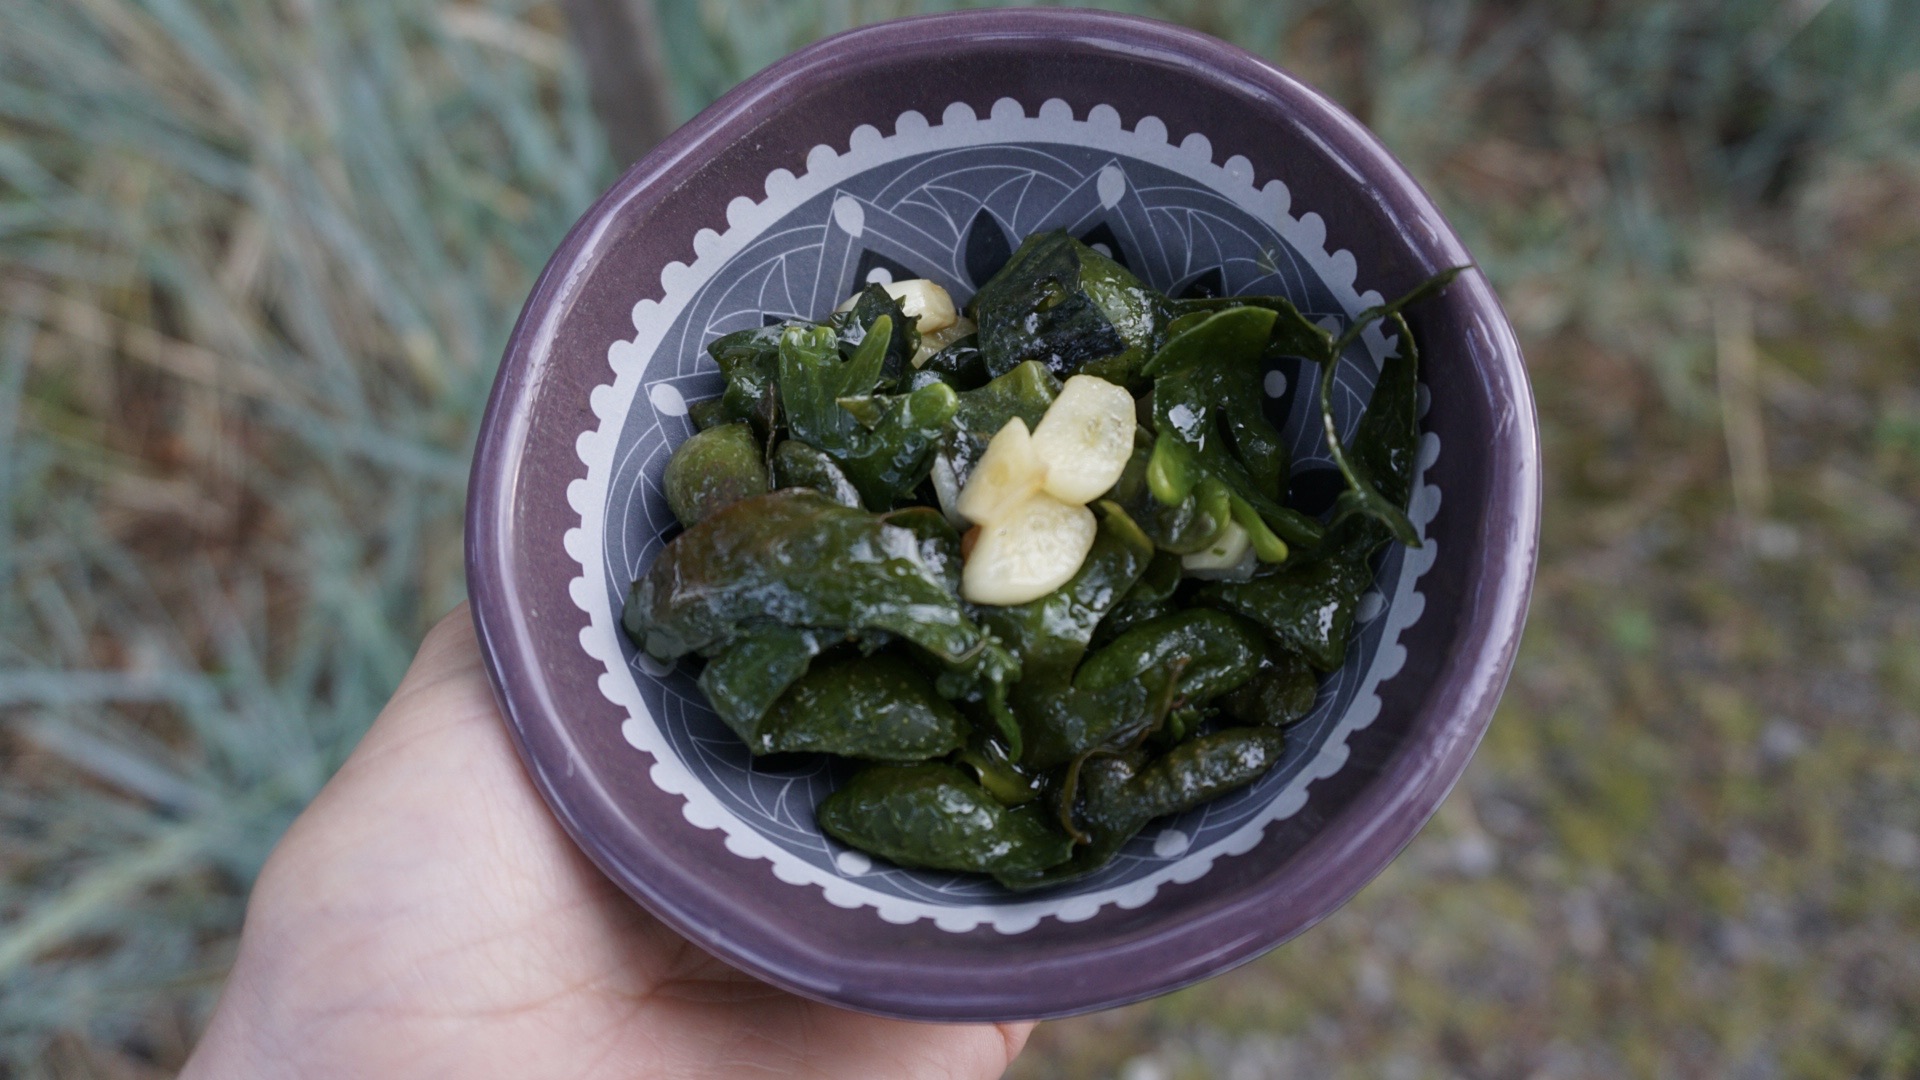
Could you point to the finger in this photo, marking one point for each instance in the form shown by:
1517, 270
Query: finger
1015, 1035
447, 672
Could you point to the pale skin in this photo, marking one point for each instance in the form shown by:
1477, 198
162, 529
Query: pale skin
426, 917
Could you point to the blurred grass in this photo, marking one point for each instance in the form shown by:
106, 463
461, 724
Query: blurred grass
259, 260
259, 263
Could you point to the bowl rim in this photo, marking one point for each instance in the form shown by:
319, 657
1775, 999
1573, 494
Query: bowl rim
1360, 842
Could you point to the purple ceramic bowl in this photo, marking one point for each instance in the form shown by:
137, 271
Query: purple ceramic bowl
928, 148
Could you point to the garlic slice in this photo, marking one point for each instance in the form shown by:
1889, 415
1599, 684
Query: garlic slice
946, 489
919, 298
1033, 549
1006, 474
1229, 558
926, 301
1085, 438
1029, 491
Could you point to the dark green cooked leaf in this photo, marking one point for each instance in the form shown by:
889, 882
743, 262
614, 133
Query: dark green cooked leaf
879, 708
798, 558
750, 361
1125, 690
933, 816
899, 336
795, 464
1184, 526
1073, 309
1116, 797
1307, 606
1379, 467
1282, 692
1209, 425
744, 679
884, 444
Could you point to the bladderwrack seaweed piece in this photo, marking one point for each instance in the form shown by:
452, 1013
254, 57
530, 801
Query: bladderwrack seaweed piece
1150, 598
1213, 651
1105, 815
939, 542
1209, 426
933, 816
1378, 465
813, 377
876, 708
746, 676
884, 444
994, 765
888, 460
706, 414
1116, 797
795, 464
750, 362
1073, 309
984, 681
797, 558
1281, 693
1307, 606
1061, 726
1292, 333
713, 470
959, 365
1204, 767
1123, 691
1208, 390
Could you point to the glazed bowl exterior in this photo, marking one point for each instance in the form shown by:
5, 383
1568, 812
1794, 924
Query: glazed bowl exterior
929, 147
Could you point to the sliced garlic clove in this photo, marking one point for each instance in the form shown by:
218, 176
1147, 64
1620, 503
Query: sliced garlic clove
946, 489
939, 324
1031, 551
926, 301
1006, 474
1229, 558
1085, 438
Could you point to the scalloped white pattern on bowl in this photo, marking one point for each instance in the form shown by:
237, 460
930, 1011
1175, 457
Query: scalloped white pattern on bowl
1085, 173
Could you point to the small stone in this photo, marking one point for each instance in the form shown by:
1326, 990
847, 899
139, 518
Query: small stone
1776, 541
1782, 741
1899, 848
1475, 855
1373, 983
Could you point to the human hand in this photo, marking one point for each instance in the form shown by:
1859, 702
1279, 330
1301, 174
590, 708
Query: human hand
426, 916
